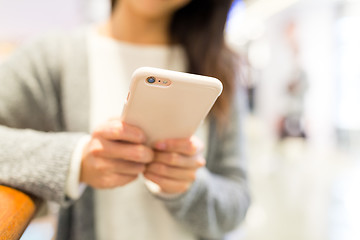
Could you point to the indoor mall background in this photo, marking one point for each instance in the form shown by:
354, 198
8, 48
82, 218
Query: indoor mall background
302, 130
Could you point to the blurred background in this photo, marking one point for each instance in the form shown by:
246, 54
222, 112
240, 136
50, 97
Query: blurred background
301, 70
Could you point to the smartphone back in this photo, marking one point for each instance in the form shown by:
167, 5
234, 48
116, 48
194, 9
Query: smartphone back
167, 104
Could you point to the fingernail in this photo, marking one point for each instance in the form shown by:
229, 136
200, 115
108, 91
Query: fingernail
160, 146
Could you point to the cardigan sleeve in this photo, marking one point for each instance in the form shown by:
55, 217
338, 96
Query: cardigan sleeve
219, 198
34, 153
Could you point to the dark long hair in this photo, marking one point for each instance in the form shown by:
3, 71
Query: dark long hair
199, 28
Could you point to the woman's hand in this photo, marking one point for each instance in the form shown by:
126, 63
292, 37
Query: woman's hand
175, 164
114, 156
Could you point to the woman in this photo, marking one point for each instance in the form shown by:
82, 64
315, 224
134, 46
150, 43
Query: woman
63, 86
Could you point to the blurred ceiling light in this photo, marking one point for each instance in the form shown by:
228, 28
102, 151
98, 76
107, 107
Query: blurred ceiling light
246, 23
242, 28
263, 9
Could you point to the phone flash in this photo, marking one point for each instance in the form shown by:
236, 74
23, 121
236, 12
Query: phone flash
165, 81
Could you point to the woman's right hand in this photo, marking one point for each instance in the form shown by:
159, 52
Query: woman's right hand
114, 156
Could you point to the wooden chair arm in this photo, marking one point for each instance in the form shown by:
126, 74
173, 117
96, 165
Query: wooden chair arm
16, 211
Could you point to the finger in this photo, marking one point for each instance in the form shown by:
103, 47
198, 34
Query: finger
166, 171
117, 130
114, 180
179, 160
186, 146
120, 150
168, 185
119, 166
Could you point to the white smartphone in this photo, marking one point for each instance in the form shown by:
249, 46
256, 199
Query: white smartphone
168, 104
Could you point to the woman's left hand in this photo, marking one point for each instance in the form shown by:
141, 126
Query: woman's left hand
175, 164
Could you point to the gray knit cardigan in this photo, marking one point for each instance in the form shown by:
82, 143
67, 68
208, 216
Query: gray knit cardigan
44, 110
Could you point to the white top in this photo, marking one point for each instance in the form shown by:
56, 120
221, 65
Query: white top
131, 211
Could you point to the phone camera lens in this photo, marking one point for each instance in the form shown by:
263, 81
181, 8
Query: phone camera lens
150, 79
